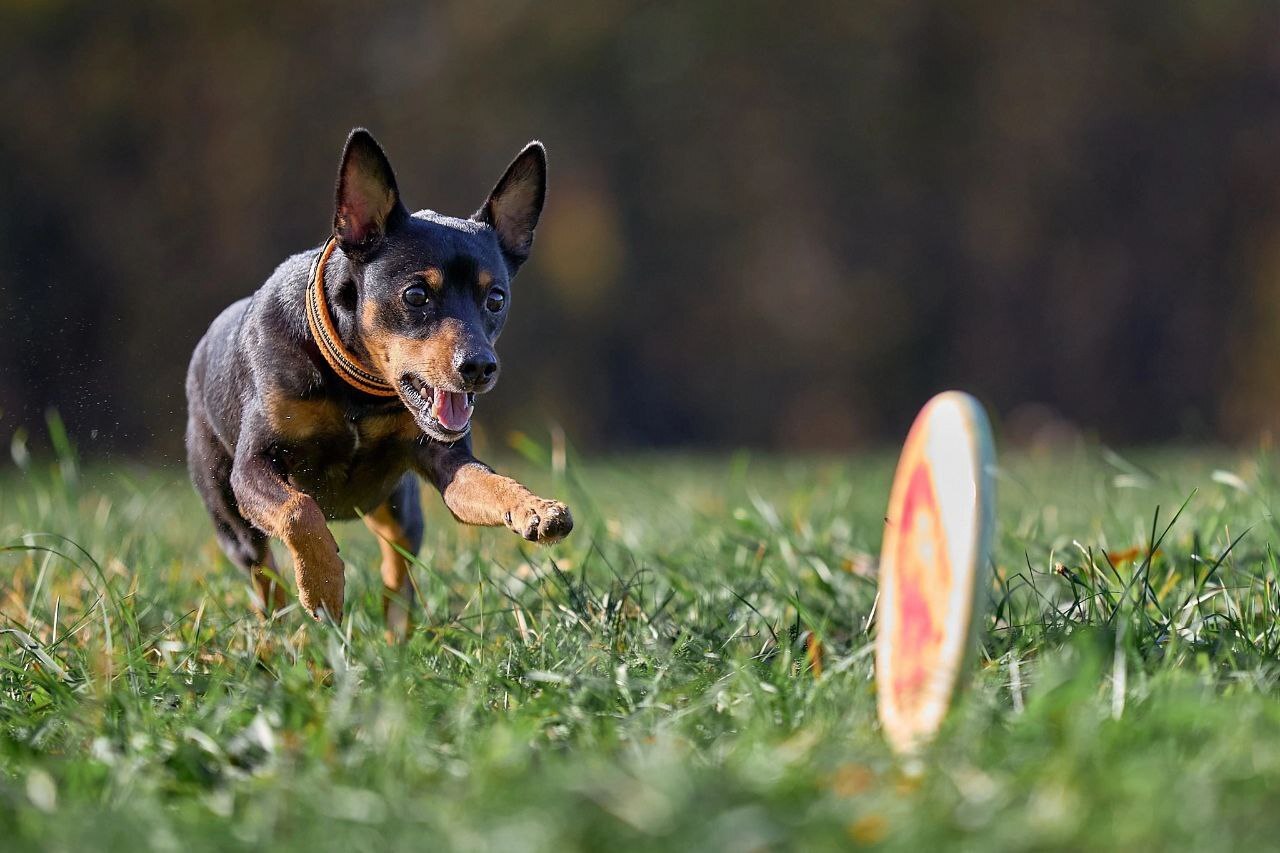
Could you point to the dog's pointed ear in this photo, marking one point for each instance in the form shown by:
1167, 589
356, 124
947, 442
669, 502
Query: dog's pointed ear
515, 204
366, 201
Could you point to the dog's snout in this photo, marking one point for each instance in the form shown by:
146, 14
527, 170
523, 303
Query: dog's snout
477, 370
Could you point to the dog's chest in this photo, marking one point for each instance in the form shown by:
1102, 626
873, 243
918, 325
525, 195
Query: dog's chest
344, 462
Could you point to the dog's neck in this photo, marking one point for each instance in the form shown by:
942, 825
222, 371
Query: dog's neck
339, 291
334, 328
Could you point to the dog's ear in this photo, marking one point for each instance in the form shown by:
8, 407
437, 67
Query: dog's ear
366, 201
513, 207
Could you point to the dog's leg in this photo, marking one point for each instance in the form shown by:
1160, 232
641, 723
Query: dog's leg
282, 511
246, 546
398, 526
477, 495
267, 584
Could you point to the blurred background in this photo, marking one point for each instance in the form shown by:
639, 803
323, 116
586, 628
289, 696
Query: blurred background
768, 225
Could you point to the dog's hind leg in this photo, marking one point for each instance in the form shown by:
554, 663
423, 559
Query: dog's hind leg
398, 525
245, 545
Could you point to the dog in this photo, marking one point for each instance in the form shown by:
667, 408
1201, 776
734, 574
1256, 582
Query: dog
353, 371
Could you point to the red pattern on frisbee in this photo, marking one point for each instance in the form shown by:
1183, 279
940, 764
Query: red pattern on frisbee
923, 586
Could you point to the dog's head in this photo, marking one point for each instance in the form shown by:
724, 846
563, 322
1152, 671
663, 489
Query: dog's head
429, 294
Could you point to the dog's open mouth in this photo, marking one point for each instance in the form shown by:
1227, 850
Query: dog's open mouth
444, 415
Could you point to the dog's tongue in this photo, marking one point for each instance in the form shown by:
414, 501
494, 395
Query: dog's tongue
451, 409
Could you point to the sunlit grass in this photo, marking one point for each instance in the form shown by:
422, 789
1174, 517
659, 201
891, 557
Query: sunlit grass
646, 684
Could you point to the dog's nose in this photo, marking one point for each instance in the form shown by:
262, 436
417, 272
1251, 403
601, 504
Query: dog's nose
477, 370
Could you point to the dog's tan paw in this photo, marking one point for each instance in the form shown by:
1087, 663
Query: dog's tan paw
321, 585
540, 520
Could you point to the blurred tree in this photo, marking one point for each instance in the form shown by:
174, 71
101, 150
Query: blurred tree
765, 226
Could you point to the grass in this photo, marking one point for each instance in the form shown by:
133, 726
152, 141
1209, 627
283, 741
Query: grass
645, 685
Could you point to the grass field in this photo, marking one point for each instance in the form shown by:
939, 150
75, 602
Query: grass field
642, 686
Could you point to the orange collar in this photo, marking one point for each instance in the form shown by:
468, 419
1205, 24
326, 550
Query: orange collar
343, 362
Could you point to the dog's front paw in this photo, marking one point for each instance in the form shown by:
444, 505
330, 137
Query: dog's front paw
540, 520
319, 573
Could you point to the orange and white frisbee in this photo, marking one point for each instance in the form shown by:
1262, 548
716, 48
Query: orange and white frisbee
934, 566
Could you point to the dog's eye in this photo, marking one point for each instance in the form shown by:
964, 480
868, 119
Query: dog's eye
415, 296
497, 299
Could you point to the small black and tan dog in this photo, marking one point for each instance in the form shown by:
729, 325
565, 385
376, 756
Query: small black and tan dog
355, 366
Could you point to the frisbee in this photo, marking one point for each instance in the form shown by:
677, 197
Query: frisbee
934, 566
